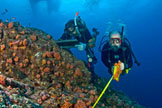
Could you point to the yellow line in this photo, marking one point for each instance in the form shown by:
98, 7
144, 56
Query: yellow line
103, 91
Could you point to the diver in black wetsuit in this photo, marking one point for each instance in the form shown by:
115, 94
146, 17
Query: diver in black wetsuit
117, 49
77, 29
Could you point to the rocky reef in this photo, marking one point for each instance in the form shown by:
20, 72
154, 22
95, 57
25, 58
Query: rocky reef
36, 73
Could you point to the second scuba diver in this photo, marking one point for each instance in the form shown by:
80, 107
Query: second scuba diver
77, 29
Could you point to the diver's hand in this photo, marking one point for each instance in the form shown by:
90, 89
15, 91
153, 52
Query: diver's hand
122, 66
81, 46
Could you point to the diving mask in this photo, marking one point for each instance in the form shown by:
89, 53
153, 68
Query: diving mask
115, 40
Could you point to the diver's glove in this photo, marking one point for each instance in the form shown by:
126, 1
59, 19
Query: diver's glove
122, 66
81, 46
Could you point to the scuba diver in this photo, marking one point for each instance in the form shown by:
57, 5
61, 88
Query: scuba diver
116, 49
77, 32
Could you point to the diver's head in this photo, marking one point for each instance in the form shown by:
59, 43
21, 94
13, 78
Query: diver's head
70, 27
115, 40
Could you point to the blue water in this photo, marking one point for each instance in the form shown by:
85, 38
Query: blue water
143, 20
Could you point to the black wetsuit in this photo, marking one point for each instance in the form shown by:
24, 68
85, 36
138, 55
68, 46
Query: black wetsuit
109, 57
85, 37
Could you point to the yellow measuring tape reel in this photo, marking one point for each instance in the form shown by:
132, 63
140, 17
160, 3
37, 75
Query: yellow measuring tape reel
115, 76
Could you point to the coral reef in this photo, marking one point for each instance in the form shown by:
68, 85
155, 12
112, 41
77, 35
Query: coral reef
35, 72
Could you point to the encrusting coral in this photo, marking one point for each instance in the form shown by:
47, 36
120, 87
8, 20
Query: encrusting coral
35, 72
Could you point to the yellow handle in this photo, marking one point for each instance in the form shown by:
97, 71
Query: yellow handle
103, 92
127, 70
